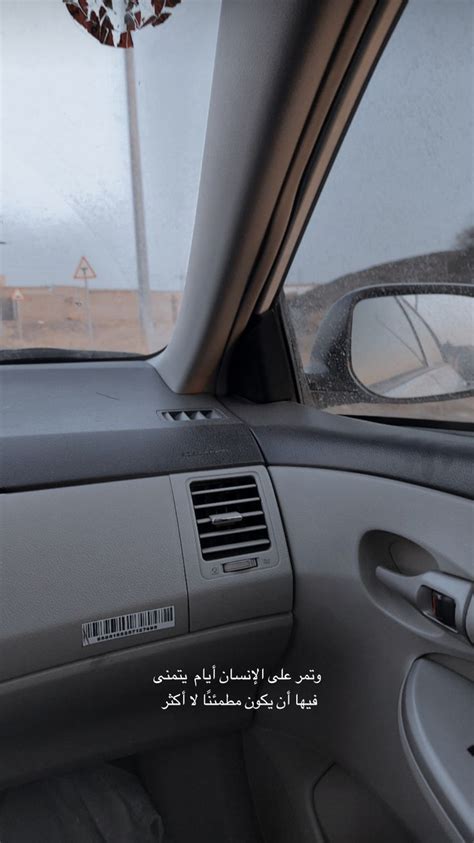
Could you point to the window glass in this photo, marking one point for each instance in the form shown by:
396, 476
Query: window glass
397, 207
101, 149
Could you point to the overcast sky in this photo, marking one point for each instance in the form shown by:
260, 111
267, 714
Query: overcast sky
402, 185
64, 143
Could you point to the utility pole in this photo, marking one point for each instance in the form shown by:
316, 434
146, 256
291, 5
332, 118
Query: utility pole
143, 275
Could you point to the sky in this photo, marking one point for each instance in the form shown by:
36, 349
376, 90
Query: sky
401, 186
403, 182
65, 161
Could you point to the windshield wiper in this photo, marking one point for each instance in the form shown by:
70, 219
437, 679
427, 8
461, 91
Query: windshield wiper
61, 355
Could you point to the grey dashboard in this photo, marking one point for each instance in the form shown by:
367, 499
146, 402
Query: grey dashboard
99, 520
139, 530
299, 435
116, 562
80, 565
70, 423
90, 422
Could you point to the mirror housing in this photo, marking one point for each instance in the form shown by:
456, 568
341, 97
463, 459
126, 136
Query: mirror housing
332, 374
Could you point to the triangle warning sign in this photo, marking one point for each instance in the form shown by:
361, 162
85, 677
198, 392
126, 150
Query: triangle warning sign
84, 271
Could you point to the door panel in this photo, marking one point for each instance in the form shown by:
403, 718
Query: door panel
363, 637
442, 746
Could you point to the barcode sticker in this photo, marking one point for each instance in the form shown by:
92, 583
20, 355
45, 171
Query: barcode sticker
136, 623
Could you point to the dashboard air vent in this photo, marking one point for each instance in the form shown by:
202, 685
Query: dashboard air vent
191, 415
229, 517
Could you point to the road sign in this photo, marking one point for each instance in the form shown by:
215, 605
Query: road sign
85, 273
84, 270
18, 296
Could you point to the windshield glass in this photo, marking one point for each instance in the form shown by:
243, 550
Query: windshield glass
101, 151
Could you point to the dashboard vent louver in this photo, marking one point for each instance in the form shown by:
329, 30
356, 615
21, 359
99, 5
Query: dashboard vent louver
191, 415
229, 517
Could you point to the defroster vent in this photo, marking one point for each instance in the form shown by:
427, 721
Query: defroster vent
230, 517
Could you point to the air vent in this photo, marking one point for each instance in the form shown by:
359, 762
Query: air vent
229, 517
191, 415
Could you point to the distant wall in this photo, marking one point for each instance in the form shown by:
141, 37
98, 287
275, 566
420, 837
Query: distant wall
57, 317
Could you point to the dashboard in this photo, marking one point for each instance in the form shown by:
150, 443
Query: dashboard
139, 531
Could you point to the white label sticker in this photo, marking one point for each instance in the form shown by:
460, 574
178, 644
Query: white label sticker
136, 623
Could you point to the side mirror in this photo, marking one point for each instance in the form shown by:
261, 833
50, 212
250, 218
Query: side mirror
396, 343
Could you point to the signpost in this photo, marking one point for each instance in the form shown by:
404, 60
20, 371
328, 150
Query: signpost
84, 272
18, 297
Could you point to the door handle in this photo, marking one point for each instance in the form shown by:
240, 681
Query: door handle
442, 598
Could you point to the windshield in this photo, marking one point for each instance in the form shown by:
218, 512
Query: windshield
101, 151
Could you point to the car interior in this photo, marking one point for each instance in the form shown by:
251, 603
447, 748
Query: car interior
228, 614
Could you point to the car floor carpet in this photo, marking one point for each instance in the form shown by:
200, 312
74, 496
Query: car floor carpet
201, 790
106, 804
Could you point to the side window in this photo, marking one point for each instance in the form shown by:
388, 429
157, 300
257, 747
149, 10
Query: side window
380, 290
